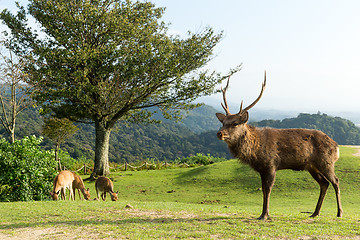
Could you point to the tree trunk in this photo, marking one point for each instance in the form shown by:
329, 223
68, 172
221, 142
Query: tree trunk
57, 155
101, 162
12, 135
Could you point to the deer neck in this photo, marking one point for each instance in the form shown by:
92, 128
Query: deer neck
246, 145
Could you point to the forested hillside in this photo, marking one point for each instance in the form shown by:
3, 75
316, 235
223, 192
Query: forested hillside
196, 133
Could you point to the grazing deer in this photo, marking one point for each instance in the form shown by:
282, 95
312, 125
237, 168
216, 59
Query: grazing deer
267, 150
79, 185
104, 185
63, 181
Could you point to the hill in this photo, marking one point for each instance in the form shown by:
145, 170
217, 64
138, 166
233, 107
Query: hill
196, 133
134, 142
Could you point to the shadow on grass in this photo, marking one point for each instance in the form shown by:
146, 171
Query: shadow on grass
127, 220
235, 175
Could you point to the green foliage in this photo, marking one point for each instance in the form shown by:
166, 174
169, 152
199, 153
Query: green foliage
84, 71
343, 131
26, 171
58, 130
200, 159
102, 61
71, 163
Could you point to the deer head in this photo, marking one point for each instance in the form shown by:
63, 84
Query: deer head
54, 195
235, 121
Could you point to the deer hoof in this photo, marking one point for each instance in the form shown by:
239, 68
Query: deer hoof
262, 218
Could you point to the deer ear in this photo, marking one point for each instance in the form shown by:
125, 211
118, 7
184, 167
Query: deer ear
244, 116
220, 116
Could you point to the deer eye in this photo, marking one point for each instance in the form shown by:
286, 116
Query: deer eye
235, 124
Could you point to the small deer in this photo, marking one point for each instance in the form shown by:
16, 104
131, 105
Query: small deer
64, 180
267, 150
79, 185
105, 185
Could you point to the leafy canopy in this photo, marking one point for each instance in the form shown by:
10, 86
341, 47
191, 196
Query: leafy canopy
58, 130
105, 60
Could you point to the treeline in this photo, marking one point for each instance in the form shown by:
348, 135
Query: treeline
343, 131
170, 140
135, 142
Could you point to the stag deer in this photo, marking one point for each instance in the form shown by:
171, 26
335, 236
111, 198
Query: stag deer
104, 185
267, 150
79, 185
63, 181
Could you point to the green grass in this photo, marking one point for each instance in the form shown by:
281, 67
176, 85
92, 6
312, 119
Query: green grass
218, 201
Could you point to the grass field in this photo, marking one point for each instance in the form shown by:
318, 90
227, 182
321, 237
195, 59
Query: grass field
218, 201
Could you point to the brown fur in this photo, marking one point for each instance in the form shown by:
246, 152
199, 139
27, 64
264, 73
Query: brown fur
104, 185
79, 185
62, 181
267, 150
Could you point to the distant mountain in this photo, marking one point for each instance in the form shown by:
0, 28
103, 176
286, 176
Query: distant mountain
259, 114
202, 119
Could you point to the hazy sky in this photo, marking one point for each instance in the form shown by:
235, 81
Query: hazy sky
310, 49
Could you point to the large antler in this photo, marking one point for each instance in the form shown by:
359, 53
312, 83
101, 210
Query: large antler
261, 93
226, 107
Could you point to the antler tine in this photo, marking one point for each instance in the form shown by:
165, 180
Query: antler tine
261, 93
226, 107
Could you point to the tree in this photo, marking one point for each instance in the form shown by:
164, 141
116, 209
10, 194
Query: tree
12, 80
100, 61
58, 130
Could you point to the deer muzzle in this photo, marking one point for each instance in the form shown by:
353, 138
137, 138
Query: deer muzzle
220, 135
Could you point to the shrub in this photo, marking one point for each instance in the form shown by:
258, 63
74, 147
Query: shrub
200, 159
26, 171
73, 164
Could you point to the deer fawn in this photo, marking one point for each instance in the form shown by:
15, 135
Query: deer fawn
104, 185
63, 181
79, 185
267, 150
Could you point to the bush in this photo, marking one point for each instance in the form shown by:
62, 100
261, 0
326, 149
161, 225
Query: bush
26, 171
73, 164
200, 159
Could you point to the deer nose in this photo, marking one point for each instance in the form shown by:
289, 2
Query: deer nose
219, 135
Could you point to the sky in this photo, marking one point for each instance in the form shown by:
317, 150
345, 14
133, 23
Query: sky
309, 49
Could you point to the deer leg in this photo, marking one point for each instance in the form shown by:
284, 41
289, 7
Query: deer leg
97, 194
71, 196
103, 196
267, 180
78, 193
324, 184
331, 177
63, 193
